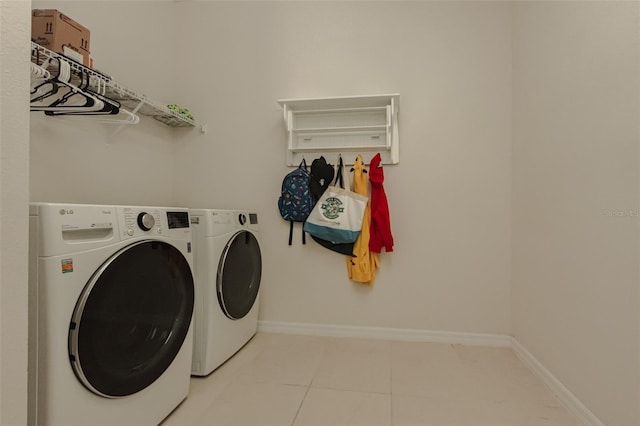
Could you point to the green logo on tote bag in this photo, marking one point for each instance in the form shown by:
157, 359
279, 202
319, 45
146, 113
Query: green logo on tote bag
332, 208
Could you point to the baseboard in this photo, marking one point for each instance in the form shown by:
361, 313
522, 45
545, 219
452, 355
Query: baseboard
565, 396
413, 335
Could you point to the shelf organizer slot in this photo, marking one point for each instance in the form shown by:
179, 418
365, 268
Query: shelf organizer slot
336, 149
130, 99
341, 110
343, 125
340, 129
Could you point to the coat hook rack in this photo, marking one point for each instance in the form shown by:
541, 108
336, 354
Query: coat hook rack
348, 125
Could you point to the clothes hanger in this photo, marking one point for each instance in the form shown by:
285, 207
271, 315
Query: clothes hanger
126, 117
58, 96
39, 72
100, 93
108, 106
74, 93
48, 87
42, 92
75, 100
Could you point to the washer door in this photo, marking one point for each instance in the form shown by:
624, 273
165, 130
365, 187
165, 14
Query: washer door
131, 319
239, 273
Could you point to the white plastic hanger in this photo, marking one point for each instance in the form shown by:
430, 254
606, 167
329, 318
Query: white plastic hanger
71, 99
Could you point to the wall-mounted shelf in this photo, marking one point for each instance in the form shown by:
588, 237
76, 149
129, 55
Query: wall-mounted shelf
342, 125
133, 101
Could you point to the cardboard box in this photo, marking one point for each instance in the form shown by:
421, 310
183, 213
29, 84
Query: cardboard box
54, 30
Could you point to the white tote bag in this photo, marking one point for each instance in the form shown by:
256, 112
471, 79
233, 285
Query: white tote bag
337, 216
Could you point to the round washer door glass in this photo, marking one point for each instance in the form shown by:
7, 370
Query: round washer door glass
239, 274
131, 319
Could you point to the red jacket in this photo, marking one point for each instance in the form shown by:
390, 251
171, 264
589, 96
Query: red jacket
380, 231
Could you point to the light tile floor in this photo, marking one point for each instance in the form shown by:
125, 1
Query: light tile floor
280, 379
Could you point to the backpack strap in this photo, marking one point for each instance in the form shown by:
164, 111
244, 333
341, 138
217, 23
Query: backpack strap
304, 236
290, 231
339, 178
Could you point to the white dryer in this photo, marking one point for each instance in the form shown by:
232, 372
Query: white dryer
228, 270
111, 304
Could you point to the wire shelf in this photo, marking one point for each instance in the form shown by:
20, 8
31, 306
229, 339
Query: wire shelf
128, 98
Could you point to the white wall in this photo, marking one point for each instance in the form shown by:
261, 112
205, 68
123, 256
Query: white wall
576, 198
449, 197
81, 161
14, 209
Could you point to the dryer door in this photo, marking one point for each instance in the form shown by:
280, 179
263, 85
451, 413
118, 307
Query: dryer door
131, 319
239, 273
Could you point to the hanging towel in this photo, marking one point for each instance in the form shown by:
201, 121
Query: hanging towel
363, 264
380, 222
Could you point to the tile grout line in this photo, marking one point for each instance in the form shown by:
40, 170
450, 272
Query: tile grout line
293, 422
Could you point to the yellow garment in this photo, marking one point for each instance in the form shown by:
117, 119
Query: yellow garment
362, 267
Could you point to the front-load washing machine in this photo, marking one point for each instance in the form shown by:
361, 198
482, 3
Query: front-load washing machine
228, 270
111, 298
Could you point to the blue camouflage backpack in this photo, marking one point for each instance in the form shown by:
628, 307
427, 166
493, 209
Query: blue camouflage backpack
295, 202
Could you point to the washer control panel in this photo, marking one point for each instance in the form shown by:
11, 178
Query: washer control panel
142, 222
146, 221
154, 221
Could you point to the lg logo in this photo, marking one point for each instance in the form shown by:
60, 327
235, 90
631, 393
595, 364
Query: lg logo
65, 211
